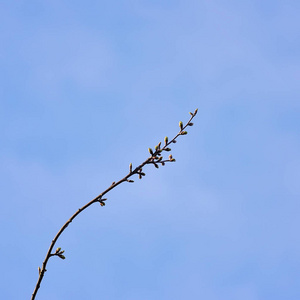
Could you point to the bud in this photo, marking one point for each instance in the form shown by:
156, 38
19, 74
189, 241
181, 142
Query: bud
129, 180
166, 140
156, 165
39, 270
191, 114
168, 149
150, 151
195, 112
162, 163
62, 256
102, 203
191, 124
58, 249
130, 167
184, 132
181, 125
170, 156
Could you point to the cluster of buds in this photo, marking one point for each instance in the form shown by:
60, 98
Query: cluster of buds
59, 253
156, 156
101, 201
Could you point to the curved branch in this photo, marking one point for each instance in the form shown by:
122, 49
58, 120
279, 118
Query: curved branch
155, 158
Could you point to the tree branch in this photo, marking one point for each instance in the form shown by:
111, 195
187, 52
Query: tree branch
155, 158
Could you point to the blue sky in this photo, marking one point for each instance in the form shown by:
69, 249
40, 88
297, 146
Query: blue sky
87, 87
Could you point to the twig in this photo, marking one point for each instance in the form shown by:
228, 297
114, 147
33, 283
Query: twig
155, 158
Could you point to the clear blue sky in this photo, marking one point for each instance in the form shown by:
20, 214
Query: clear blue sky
88, 86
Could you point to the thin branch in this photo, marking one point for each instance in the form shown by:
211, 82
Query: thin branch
155, 159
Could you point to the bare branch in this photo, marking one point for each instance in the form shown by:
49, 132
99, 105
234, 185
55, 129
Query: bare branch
155, 159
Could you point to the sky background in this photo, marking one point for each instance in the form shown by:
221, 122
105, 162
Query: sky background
87, 86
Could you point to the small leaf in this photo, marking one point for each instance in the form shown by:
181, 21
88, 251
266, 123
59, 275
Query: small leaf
181, 125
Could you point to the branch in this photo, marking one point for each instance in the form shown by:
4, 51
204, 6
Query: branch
155, 158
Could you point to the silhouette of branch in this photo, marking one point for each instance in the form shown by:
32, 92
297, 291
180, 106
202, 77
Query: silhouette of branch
155, 158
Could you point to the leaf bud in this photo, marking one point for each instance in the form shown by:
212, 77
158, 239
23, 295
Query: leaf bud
58, 249
166, 140
181, 125
184, 132
150, 151
130, 167
168, 149
195, 112
129, 180
191, 124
